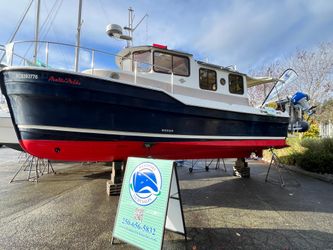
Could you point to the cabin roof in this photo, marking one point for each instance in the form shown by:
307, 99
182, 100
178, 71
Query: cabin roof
215, 66
126, 51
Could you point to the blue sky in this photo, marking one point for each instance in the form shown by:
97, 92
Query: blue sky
239, 32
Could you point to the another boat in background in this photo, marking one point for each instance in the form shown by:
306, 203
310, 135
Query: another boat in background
7, 132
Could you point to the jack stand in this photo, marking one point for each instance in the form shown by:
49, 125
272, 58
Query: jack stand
275, 161
36, 167
113, 186
218, 163
207, 166
241, 168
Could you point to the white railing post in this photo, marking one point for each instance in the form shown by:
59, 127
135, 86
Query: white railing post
9, 53
92, 61
47, 54
135, 70
171, 82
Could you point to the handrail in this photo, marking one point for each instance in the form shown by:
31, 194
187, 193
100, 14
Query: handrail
65, 44
93, 52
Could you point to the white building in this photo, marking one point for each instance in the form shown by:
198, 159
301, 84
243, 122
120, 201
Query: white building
326, 129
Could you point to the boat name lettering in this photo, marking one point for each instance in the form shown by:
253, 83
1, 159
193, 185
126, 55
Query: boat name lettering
26, 76
64, 80
166, 130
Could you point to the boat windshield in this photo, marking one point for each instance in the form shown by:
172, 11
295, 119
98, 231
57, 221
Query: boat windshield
170, 63
142, 60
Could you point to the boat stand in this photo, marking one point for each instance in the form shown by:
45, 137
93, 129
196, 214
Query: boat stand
276, 162
207, 166
241, 168
35, 167
113, 186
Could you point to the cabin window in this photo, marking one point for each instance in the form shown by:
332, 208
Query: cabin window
180, 66
207, 79
236, 84
143, 61
167, 63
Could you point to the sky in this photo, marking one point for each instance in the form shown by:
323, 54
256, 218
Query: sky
245, 33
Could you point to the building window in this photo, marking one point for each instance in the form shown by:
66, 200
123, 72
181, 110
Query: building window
168, 63
236, 84
142, 60
207, 79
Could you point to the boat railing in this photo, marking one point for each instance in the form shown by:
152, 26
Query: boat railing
57, 55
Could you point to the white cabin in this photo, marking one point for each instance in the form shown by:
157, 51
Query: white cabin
190, 81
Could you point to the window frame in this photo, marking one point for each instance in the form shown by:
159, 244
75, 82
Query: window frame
211, 70
141, 52
229, 83
172, 55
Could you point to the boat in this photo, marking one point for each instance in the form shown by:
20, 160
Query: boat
7, 132
145, 101
159, 103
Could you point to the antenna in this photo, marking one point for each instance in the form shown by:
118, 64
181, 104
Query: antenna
115, 30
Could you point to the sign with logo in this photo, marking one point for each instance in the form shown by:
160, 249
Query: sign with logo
144, 204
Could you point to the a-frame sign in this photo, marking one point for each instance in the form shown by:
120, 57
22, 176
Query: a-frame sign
149, 203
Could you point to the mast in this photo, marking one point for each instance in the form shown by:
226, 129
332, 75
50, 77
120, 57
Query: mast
115, 31
78, 35
36, 30
130, 26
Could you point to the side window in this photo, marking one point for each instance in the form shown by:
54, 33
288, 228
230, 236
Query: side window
207, 79
142, 58
162, 62
236, 84
167, 63
180, 65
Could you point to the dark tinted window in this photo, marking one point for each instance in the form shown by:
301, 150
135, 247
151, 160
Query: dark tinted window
207, 79
236, 84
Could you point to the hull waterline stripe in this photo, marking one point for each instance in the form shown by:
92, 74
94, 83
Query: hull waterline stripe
140, 134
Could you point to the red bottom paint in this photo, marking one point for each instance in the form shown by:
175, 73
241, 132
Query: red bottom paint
120, 150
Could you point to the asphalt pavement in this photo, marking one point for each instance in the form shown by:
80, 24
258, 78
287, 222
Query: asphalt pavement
71, 210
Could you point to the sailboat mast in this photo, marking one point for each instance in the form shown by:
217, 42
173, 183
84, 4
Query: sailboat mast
36, 30
78, 37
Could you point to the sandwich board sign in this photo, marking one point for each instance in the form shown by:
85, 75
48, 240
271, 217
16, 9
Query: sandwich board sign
149, 203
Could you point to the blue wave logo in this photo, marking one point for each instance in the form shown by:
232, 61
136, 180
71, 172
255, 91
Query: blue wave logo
145, 184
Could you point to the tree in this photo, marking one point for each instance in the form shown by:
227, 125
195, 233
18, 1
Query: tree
315, 72
324, 112
258, 93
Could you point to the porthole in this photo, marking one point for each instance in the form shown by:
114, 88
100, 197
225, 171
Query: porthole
222, 81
